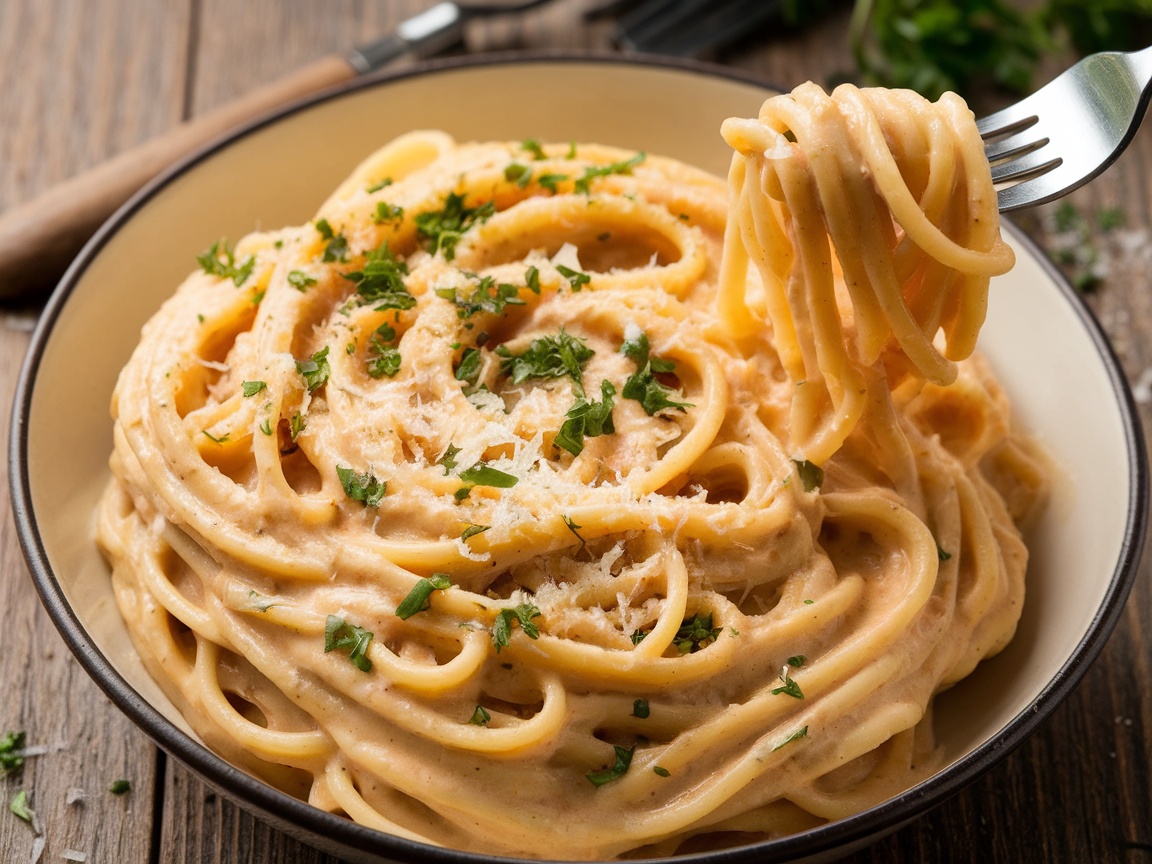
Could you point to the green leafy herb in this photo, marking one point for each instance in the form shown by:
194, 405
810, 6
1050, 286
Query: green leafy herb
551, 182
473, 530
385, 359
219, 260
443, 228
587, 419
223, 439
625, 166
448, 460
469, 369
797, 661
11, 752
364, 488
386, 212
339, 635
418, 598
300, 280
575, 529
532, 279
251, 388
297, 425
695, 633
575, 278
376, 187
559, 356
120, 787
789, 688
661, 771
483, 474
523, 614
315, 370
480, 717
533, 146
643, 385
640, 709
487, 296
795, 736
942, 555
811, 474
519, 174
20, 808
618, 770
381, 280
266, 426
337, 246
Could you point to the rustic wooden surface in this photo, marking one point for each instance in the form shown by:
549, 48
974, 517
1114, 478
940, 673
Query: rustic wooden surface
83, 80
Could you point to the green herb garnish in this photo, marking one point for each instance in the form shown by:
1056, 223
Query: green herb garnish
11, 752
386, 212
642, 385
625, 166
443, 228
811, 474
300, 280
661, 771
789, 688
297, 425
473, 530
448, 460
339, 635
575, 278
533, 146
618, 770
480, 717
315, 370
337, 246
419, 598
119, 787
251, 388
695, 633
385, 359
223, 439
523, 614
219, 260
20, 808
559, 356
640, 709
795, 736
364, 488
587, 420
381, 280
487, 296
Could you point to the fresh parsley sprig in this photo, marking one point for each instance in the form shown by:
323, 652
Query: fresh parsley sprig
220, 260
587, 419
643, 386
315, 370
340, 635
618, 769
559, 356
419, 598
593, 172
381, 280
522, 614
363, 487
442, 229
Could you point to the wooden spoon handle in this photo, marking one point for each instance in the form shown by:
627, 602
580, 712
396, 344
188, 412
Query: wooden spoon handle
40, 238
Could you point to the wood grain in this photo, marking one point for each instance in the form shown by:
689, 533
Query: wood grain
94, 78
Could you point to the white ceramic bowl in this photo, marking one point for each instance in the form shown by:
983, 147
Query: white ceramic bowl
1043, 342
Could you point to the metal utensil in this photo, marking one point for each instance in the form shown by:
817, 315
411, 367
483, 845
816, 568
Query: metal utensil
39, 238
1068, 131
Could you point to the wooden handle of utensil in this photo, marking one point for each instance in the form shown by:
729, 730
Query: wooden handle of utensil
40, 238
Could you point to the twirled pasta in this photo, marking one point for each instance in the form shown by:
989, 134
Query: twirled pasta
564, 500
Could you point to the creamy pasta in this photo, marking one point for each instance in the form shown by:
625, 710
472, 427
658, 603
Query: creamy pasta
558, 500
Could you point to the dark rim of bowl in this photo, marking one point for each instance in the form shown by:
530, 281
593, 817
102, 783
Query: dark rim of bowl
291, 813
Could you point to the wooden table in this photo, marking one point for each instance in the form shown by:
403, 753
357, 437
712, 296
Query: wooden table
83, 80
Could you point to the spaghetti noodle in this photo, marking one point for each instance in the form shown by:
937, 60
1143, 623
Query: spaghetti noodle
562, 500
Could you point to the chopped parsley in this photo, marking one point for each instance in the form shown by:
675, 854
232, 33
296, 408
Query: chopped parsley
519, 174
532, 279
802, 732
20, 808
251, 388
223, 439
575, 529
337, 246
643, 385
448, 460
523, 614
941, 554
472, 530
797, 661
266, 426
443, 228
695, 633
559, 356
315, 370
120, 787
625, 166
618, 769
339, 635
386, 212
533, 146
418, 598
587, 419
381, 280
377, 186
300, 280
220, 260
661, 771
487, 296
811, 474
11, 752
385, 359
789, 688
469, 369
640, 709
480, 717
364, 488
297, 425
483, 474
575, 278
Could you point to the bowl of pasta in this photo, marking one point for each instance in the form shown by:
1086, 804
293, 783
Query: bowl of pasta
649, 465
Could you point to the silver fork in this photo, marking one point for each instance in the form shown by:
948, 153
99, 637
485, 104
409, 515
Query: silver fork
1068, 131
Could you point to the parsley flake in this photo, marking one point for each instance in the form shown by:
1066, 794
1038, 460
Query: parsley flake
587, 420
696, 633
473, 530
364, 488
12, 752
386, 212
418, 598
120, 787
618, 770
300, 280
522, 614
533, 146
448, 460
802, 732
575, 278
811, 474
487, 296
643, 385
640, 709
789, 688
625, 166
385, 359
315, 370
339, 635
220, 260
381, 280
443, 228
20, 808
337, 246
251, 388
559, 356
480, 717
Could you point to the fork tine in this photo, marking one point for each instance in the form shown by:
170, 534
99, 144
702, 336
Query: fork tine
1014, 145
1038, 161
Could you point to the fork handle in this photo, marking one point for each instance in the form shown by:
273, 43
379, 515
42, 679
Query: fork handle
38, 239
